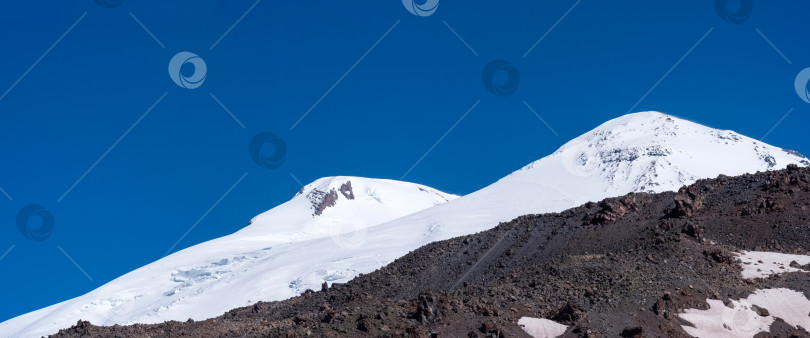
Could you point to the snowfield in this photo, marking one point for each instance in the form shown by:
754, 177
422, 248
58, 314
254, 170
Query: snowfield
741, 320
761, 264
259, 262
320, 236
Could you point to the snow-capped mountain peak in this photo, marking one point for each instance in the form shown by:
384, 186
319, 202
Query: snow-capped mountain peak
654, 152
335, 205
338, 227
256, 263
327, 192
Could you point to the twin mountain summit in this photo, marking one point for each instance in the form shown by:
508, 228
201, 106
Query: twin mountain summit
338, 228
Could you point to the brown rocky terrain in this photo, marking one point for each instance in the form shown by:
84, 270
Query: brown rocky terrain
624, 266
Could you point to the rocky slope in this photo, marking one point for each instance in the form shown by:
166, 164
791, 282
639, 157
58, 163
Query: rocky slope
626, 266
349, 226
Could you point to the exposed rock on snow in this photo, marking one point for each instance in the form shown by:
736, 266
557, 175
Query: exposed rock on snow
760, 264
628, 278
750, 316
256, 263
333, 228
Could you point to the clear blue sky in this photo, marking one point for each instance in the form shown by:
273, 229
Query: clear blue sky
167, 172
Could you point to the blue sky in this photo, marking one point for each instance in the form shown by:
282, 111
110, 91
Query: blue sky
95, 131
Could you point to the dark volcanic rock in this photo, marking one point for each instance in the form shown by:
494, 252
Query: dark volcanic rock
322, 200
719, 255
650, 257
426, 311
568, 314
687, 202
796, 265
613, 209
633, 332
346, 190
760, 311
693, 230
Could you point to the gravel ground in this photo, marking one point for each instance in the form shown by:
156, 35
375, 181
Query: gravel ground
624, 266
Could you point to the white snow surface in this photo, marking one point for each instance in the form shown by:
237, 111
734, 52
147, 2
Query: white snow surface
289, 249
741, 320
772, 263
541, 327
259, 262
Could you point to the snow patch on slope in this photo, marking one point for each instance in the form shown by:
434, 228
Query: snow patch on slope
541, 327
741, 320
761, 264
320, 236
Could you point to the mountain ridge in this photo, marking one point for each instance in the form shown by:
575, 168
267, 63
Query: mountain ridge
647, 151
666, 264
